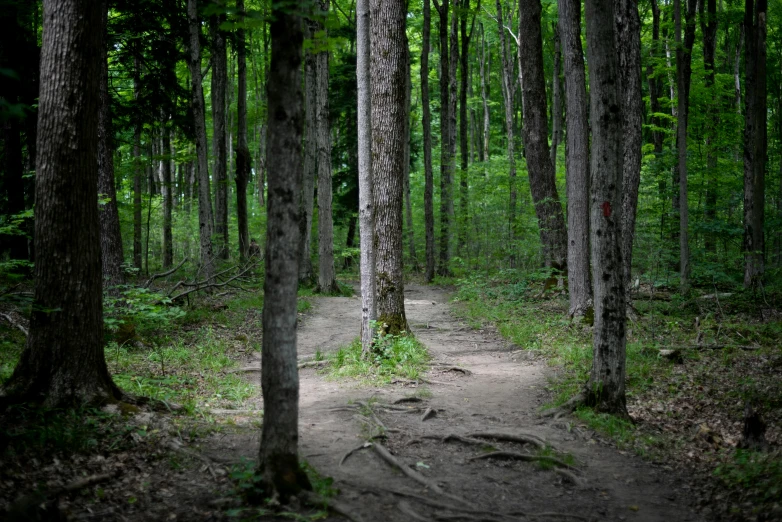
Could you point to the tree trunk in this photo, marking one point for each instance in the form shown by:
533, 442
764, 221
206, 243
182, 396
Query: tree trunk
278, 463
327, 282
446, 161
508, 88
112, 256
202, 165
410, 236
683, 73
63, 363
485, 84
306, 276
755, 145
366, 209
166, 189
556, 100
219, 152
243, 156
709, 31
138, 168
628, 44
463, 133
576, 158
605, 389
387, 67
427, 125
542, 180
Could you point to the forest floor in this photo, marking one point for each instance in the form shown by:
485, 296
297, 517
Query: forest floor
481, 394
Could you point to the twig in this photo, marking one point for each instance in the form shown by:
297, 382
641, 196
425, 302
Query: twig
164, 274
14, 323
521, 456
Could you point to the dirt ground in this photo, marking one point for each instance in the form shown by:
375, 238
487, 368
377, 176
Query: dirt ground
500, 392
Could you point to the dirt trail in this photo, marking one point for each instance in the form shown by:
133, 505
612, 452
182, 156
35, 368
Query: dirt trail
502, 393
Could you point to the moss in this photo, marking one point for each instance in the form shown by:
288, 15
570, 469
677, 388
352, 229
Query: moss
393, 324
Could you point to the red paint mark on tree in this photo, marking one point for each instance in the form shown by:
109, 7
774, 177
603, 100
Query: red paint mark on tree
606, 208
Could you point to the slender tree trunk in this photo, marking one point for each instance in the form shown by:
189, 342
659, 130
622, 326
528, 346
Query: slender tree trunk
408, 228
278, 463
327, 282
737, 70
542, 178
202, 165
464, 194
63, 363
605, 389
112, 256
628, 44
243, 156
709, 31
755, 144
576, 158
138, 168
427, 125
485, 76
508, 88
219, 81
453, 114
168, 203
306, 275
446, 161
366, 209
387, 67
556, 100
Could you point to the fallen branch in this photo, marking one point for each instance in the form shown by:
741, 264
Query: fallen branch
222, 411
390, 459
313, 364
512, 455
164, 274
206, 283
244, 369
184, 451
14, 323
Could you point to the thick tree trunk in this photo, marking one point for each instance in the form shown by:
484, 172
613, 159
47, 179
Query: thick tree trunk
576, 158
755, 145
366, 211
446, 160
63, 362
243, 156
219, 151
542, 178
388, 72
138, 168
605, 389
508, 88
327, 282
628, 44
556, 100
278, 463
166, 189
112, 256
427, 125
306, 275
202, 166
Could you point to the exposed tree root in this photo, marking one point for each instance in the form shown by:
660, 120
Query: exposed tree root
568, 407
471, 518
512, 455
428, 414
570, 476
315, 500
408, 510
313, 364
521, 438
449, 368
408, 399
390, 459
354, 450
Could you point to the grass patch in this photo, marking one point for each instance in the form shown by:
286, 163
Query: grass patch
392, 356
758, 475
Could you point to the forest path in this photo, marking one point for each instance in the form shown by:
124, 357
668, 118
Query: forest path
502, 393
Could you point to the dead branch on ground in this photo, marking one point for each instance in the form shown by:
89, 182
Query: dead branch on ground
15, 324
164, 274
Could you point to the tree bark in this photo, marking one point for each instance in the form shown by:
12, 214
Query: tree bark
243, 155
112, 256
219, 173
278, 463
508, 88
446, 160
542, 178
63, 363
138, 168
485, 84
387, 67
755, 144
628, 44
427, 128
202, 166
366, 209
576, 158
556, 99
327, 282
464, 191
709, 31
605, 389
409, 231
306, 275
166, 189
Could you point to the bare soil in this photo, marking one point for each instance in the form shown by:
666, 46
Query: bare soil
502, 391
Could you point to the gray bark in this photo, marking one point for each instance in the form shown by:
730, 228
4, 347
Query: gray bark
243, 156
605, 389
365, 192
220, 173
409, 231
556, 99
306, 275
709, 31
202, 166
138, 167
427, 128
446, 159
278, 463
166, 189
508, 88
327, 282
388, 72
485, 76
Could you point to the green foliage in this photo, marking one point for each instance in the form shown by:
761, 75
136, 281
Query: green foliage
758, 475
139, 306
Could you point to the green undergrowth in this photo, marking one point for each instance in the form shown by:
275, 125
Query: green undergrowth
392, 357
